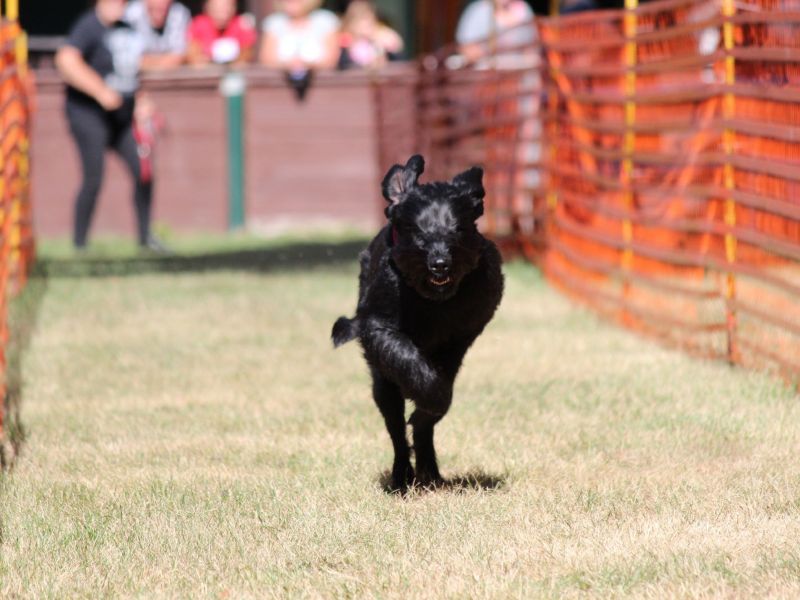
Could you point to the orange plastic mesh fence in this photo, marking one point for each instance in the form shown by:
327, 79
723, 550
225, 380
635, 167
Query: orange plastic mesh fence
648, 158
16, 234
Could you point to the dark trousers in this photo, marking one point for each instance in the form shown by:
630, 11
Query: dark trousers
95, 130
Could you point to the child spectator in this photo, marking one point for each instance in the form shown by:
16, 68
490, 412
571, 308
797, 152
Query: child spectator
300, 35
366, 42
298, 39
498, 19
162, 24
220, 35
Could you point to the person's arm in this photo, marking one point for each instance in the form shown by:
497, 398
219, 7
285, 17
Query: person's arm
389, 40
195, 55
472, 52
474, 27
145, 108
161, 62
268, 55
82, 77
330, 56
246, 56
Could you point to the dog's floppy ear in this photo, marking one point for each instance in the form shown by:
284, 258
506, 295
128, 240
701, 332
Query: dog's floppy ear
471, 181
399, 180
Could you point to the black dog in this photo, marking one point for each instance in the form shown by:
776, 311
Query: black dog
429, 284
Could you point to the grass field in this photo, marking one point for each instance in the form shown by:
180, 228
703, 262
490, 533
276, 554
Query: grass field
189, 432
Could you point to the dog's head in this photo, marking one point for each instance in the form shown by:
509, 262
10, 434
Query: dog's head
434, 239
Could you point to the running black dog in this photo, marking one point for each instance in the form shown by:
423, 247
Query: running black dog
429, 284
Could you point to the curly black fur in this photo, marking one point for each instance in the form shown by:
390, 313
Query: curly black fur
429, 284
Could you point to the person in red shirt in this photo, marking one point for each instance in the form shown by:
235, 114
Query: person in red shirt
219, 35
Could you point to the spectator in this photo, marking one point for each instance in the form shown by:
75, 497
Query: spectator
501, 34
162, 25
299, 39
366, 42
220, 35
495, 21
99, 62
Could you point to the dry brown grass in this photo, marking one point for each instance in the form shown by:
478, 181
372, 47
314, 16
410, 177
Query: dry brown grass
194, 435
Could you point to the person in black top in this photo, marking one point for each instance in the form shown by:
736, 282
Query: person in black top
99, 62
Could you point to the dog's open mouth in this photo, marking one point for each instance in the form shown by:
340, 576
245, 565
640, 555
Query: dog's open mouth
440, 281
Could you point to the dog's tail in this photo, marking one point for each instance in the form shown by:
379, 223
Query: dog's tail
344, 330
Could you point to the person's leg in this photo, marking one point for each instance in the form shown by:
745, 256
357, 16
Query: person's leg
90, 131
125, 145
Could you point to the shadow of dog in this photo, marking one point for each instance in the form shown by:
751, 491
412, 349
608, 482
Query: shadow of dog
471, 481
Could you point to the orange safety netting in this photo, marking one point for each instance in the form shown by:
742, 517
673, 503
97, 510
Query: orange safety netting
647, 158
16, 234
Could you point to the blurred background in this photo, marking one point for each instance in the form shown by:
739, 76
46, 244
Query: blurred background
424, 24
334, 185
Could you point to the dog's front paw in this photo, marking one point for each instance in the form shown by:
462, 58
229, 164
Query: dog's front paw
402, 478
428, 476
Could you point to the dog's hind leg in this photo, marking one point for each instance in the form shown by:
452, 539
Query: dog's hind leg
392, 406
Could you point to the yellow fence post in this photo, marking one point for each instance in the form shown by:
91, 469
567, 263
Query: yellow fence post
553, 108
629, 142
728, 142
12, 10
551, 117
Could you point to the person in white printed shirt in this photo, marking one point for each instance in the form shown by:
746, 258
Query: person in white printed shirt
163, 25
299, 39
300, 35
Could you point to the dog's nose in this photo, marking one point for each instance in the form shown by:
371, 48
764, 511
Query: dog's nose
440, 266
